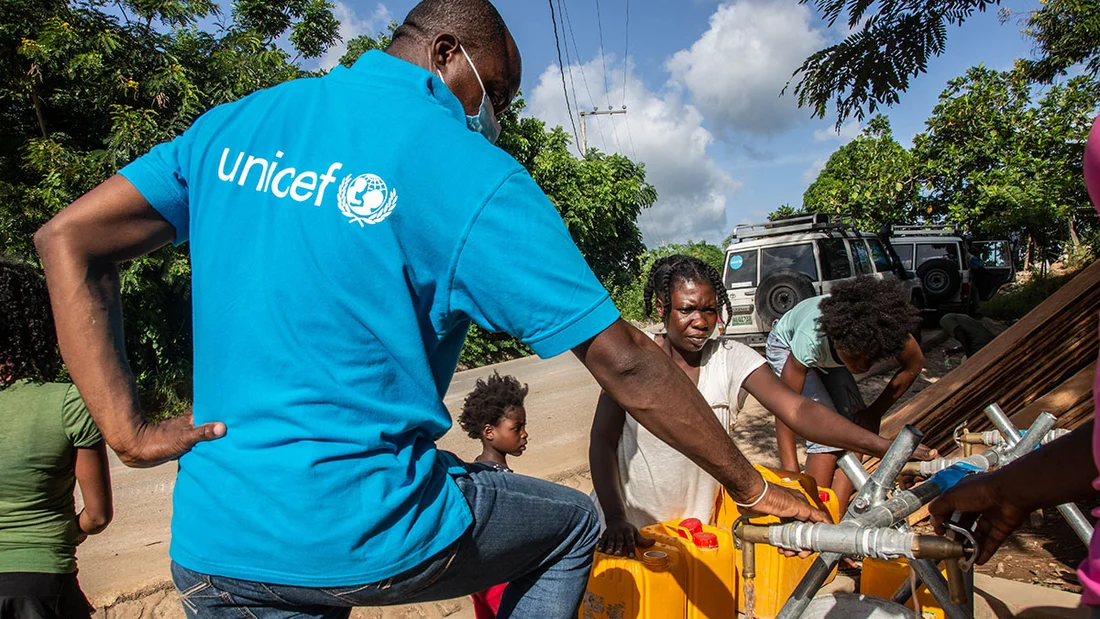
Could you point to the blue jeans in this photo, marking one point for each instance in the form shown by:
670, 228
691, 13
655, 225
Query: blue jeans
535, 535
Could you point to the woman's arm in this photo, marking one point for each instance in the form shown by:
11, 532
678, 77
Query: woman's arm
813, 420
620, 536
93, 473
794, 376
911, 360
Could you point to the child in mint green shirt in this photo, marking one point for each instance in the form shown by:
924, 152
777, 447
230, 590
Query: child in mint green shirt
818, 345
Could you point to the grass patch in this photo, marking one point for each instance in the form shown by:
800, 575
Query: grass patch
1013, 302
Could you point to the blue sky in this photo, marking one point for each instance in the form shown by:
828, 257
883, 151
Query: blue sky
702, 81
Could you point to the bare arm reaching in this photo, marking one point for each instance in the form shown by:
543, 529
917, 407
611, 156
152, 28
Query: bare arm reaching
620, 537
794, 376
93, 473
638, 375
912, 362
80, 248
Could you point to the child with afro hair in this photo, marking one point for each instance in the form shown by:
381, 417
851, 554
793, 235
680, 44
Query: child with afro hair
493, 412
818, 345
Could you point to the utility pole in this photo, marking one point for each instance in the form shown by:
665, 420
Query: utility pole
596, 112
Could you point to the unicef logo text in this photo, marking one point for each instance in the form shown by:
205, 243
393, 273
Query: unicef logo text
365, 199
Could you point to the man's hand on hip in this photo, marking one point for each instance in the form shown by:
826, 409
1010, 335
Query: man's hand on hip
157, 443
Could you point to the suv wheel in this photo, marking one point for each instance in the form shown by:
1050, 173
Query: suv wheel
780, 292
940, 279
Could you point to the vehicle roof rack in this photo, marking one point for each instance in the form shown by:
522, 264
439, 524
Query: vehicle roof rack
817, 222
923, 230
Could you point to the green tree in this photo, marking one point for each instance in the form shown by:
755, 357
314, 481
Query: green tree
994, 161
1066, 34
784, 211
85, 92
890, 43
870, 178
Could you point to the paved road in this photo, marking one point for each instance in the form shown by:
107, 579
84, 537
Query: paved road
133, 552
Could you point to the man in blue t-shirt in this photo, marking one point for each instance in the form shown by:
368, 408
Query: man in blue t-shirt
344, 233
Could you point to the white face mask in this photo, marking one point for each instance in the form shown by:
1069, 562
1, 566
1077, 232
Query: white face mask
485, 122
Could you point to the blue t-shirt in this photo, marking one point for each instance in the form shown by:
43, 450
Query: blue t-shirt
344, 231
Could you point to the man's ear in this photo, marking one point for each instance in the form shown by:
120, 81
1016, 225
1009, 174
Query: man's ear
444, 49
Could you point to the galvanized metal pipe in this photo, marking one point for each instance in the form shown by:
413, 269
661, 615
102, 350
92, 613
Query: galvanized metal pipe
879, 543
929, 574
984, 461
808, 587
1003, 423
1028, 442
1077, 521
851, 466
993, 438
885, 476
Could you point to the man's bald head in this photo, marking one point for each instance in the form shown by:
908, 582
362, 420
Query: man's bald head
432, 27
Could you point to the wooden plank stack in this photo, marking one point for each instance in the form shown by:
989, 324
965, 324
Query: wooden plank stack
1046, 361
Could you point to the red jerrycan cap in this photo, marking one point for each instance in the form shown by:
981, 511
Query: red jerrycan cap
823, 496
689, 527
705, 540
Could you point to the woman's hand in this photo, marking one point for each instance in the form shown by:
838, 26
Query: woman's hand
620, 538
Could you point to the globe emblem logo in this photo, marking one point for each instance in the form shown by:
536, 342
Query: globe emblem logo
365, 199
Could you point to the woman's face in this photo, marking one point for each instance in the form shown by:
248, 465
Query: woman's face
692, 315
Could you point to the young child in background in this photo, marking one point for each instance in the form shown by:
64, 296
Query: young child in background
494, 413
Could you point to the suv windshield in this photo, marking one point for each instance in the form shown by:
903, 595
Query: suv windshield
794, 257
933, 251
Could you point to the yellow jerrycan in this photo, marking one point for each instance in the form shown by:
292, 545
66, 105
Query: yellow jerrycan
647, 586
776, 575
882, 578
710, 555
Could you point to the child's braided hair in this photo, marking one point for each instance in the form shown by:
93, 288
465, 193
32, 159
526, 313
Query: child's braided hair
680, 268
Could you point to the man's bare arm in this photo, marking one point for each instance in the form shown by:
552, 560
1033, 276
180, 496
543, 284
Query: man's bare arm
80, 248
646, 383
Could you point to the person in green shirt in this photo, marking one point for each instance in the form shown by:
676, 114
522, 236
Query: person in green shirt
818, 345
48, 443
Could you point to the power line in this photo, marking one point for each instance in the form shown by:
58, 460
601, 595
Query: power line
603, 64
626, 51
561, 68
569, 60
580, 65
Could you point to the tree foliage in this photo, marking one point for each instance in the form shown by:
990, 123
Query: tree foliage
891, 42
870, 178
785, 211
998, 159
1066, 33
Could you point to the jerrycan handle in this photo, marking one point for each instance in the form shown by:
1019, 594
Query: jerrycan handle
688, 528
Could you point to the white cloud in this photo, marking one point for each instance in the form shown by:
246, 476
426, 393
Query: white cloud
848, 132
737, 68
351, 26
659, 129
811, 173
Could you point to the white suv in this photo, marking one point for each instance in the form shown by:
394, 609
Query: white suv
771, 267
956, 274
